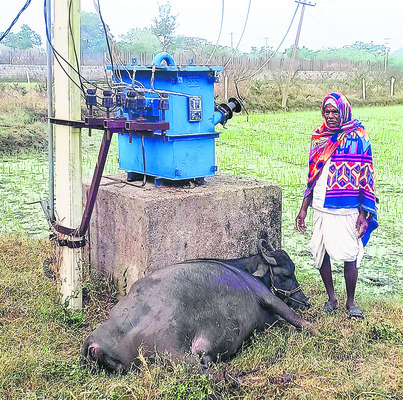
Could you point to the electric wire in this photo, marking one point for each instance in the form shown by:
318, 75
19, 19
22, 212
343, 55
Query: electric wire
275, 51
327, 28
114, 54
106, 31
80, 76
57, 55
112, 50
219, 34
7, 31
336, 32
243, 31
74, 49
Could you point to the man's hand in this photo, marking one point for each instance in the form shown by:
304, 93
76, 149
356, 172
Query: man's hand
361, 224
300, 221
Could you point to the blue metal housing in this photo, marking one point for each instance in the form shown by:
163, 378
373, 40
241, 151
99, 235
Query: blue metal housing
187, 149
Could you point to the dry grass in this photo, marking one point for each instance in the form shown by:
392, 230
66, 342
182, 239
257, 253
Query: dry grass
23, 112
40, 342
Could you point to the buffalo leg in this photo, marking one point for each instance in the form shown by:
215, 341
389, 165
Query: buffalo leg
272, 303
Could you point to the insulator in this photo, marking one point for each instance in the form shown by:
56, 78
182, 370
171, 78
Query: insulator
141, 100
91, 98
120, 99
107, 100
163, 102
131, 100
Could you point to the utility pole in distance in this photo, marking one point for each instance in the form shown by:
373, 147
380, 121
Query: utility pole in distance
294, 52
386, 53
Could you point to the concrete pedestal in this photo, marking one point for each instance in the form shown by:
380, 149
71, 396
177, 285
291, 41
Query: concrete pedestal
137, 230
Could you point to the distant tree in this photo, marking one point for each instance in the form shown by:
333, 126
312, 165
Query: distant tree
25, 39
303, 52
197, 46
359, 51
139, 41
262, 52
375, 49
396, 59
164, 26
92, 34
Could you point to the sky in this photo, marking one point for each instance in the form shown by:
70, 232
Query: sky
329, 23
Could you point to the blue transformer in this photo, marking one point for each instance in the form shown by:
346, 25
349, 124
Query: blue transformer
171, 117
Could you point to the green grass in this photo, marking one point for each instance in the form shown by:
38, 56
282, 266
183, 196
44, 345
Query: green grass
40, 342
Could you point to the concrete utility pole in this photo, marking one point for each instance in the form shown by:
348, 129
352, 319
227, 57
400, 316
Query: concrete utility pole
68, 144
294, 52
49, 82
232, 41
386, 53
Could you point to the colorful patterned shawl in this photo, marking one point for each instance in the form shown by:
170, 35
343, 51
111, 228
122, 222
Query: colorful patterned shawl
350, 183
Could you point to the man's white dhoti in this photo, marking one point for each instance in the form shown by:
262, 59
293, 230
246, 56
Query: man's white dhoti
337, 235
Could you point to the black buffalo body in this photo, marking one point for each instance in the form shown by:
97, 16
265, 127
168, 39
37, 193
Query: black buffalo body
205, 308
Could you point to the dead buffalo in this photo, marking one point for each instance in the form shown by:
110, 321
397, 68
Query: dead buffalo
205, 308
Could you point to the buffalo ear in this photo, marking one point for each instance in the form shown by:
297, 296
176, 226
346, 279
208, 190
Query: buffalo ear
261, 271
261, 245
270, 260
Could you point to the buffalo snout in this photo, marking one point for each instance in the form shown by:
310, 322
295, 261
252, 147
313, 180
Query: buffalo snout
94, 352
299, 301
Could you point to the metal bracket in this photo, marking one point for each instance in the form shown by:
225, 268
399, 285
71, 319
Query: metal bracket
72, 244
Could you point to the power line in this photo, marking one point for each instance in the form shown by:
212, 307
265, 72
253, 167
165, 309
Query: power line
294, 52
74, 49
243, 31
219, 34
15, 20
274, 52
56, 54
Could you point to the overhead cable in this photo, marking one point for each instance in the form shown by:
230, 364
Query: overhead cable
56, 54
243, 31
75, 50
15, 20
275, 51
219, 34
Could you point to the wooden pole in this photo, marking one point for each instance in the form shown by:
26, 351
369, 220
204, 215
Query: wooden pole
68, 144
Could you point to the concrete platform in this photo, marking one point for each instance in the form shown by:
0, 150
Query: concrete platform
135, 231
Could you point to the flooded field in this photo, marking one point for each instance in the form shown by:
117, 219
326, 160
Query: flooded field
268, 147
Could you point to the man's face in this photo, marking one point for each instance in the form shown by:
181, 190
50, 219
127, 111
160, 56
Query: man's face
332, 116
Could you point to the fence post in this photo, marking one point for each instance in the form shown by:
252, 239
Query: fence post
392, 86
363, 89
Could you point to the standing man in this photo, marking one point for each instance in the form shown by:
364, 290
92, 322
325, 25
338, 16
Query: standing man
340, 190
